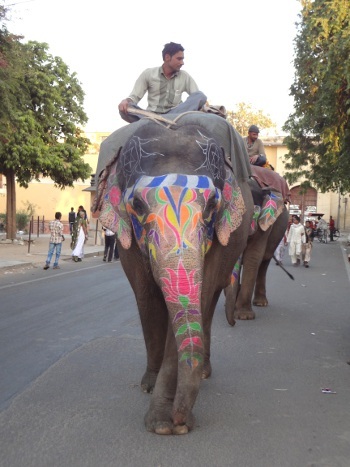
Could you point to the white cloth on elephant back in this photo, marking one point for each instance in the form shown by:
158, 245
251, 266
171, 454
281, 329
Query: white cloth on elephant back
225, 135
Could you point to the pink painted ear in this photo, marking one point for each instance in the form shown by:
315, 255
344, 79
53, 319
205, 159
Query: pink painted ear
231, 212
111, 205
272, 207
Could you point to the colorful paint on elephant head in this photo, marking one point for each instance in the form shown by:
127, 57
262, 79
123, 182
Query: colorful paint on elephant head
173, 213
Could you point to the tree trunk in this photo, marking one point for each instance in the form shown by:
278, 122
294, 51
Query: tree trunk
10, 205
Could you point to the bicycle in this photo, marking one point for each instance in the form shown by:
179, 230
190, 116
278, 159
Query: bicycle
322, 235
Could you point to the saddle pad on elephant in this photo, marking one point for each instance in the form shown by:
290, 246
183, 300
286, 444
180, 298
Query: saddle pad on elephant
270, 179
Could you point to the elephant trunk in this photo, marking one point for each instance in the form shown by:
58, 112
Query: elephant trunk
182, 287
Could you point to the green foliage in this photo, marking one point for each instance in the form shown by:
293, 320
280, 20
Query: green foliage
22, 219
244, 115
42, 136
319, 128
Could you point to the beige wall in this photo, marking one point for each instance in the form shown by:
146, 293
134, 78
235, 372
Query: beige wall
48, 199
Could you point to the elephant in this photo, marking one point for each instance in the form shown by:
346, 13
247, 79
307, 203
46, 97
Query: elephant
270, 221
182, 218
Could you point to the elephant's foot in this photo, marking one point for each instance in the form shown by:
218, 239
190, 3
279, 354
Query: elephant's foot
244, 314
206, 371
149, 380
260, 301
161, 421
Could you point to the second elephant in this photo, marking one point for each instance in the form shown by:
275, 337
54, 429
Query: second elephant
270, 193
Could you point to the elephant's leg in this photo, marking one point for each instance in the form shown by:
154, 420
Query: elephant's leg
260, 298
252, 258
154, 319
277, 232
170, 412
152, 309
207, 322
231, 292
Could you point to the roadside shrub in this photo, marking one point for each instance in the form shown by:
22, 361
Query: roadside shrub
22, 219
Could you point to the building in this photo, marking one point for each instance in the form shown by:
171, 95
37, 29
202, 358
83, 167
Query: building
330, 204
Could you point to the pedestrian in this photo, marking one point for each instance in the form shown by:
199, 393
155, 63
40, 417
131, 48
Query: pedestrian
164, 86
109, 244
71, 219
307, 246
295, 239
321, 226
56, 239
281, 248
331, 228
79, 237
116, 252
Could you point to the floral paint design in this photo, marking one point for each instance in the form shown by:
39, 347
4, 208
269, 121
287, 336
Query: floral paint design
233, 209
271, 209
254, 223
173, 221
181, 289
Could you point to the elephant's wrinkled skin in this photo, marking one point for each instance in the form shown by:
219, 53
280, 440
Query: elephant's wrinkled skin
259, 251
182, 220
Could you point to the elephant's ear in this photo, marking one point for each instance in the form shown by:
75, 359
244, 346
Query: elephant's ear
231, 210
272, 207
111, 205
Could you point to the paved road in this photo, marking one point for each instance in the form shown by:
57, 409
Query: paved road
72, 356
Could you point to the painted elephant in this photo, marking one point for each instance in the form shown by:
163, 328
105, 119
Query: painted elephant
270, 193
182, 219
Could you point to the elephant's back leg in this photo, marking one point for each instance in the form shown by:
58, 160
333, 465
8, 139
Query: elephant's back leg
278, 230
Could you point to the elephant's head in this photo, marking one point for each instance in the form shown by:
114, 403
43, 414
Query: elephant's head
174, 193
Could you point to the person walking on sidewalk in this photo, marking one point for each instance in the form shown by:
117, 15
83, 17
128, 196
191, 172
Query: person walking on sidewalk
109, 244
71, 220
79, 237
56, 239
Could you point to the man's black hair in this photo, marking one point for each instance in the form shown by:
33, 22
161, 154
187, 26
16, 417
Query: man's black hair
171, 49
58, 215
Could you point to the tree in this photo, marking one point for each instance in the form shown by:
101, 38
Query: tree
245, 115
319, 128
40, 133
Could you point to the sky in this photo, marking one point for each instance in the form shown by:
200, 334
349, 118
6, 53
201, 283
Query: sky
238, 51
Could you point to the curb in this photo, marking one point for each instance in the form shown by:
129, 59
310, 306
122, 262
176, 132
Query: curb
36, 264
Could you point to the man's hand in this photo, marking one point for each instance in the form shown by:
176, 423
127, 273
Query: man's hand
253, 159
123, 106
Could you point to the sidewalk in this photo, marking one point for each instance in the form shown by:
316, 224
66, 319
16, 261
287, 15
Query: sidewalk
16, 255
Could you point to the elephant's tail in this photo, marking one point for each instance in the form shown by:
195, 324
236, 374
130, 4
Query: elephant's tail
284, 269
